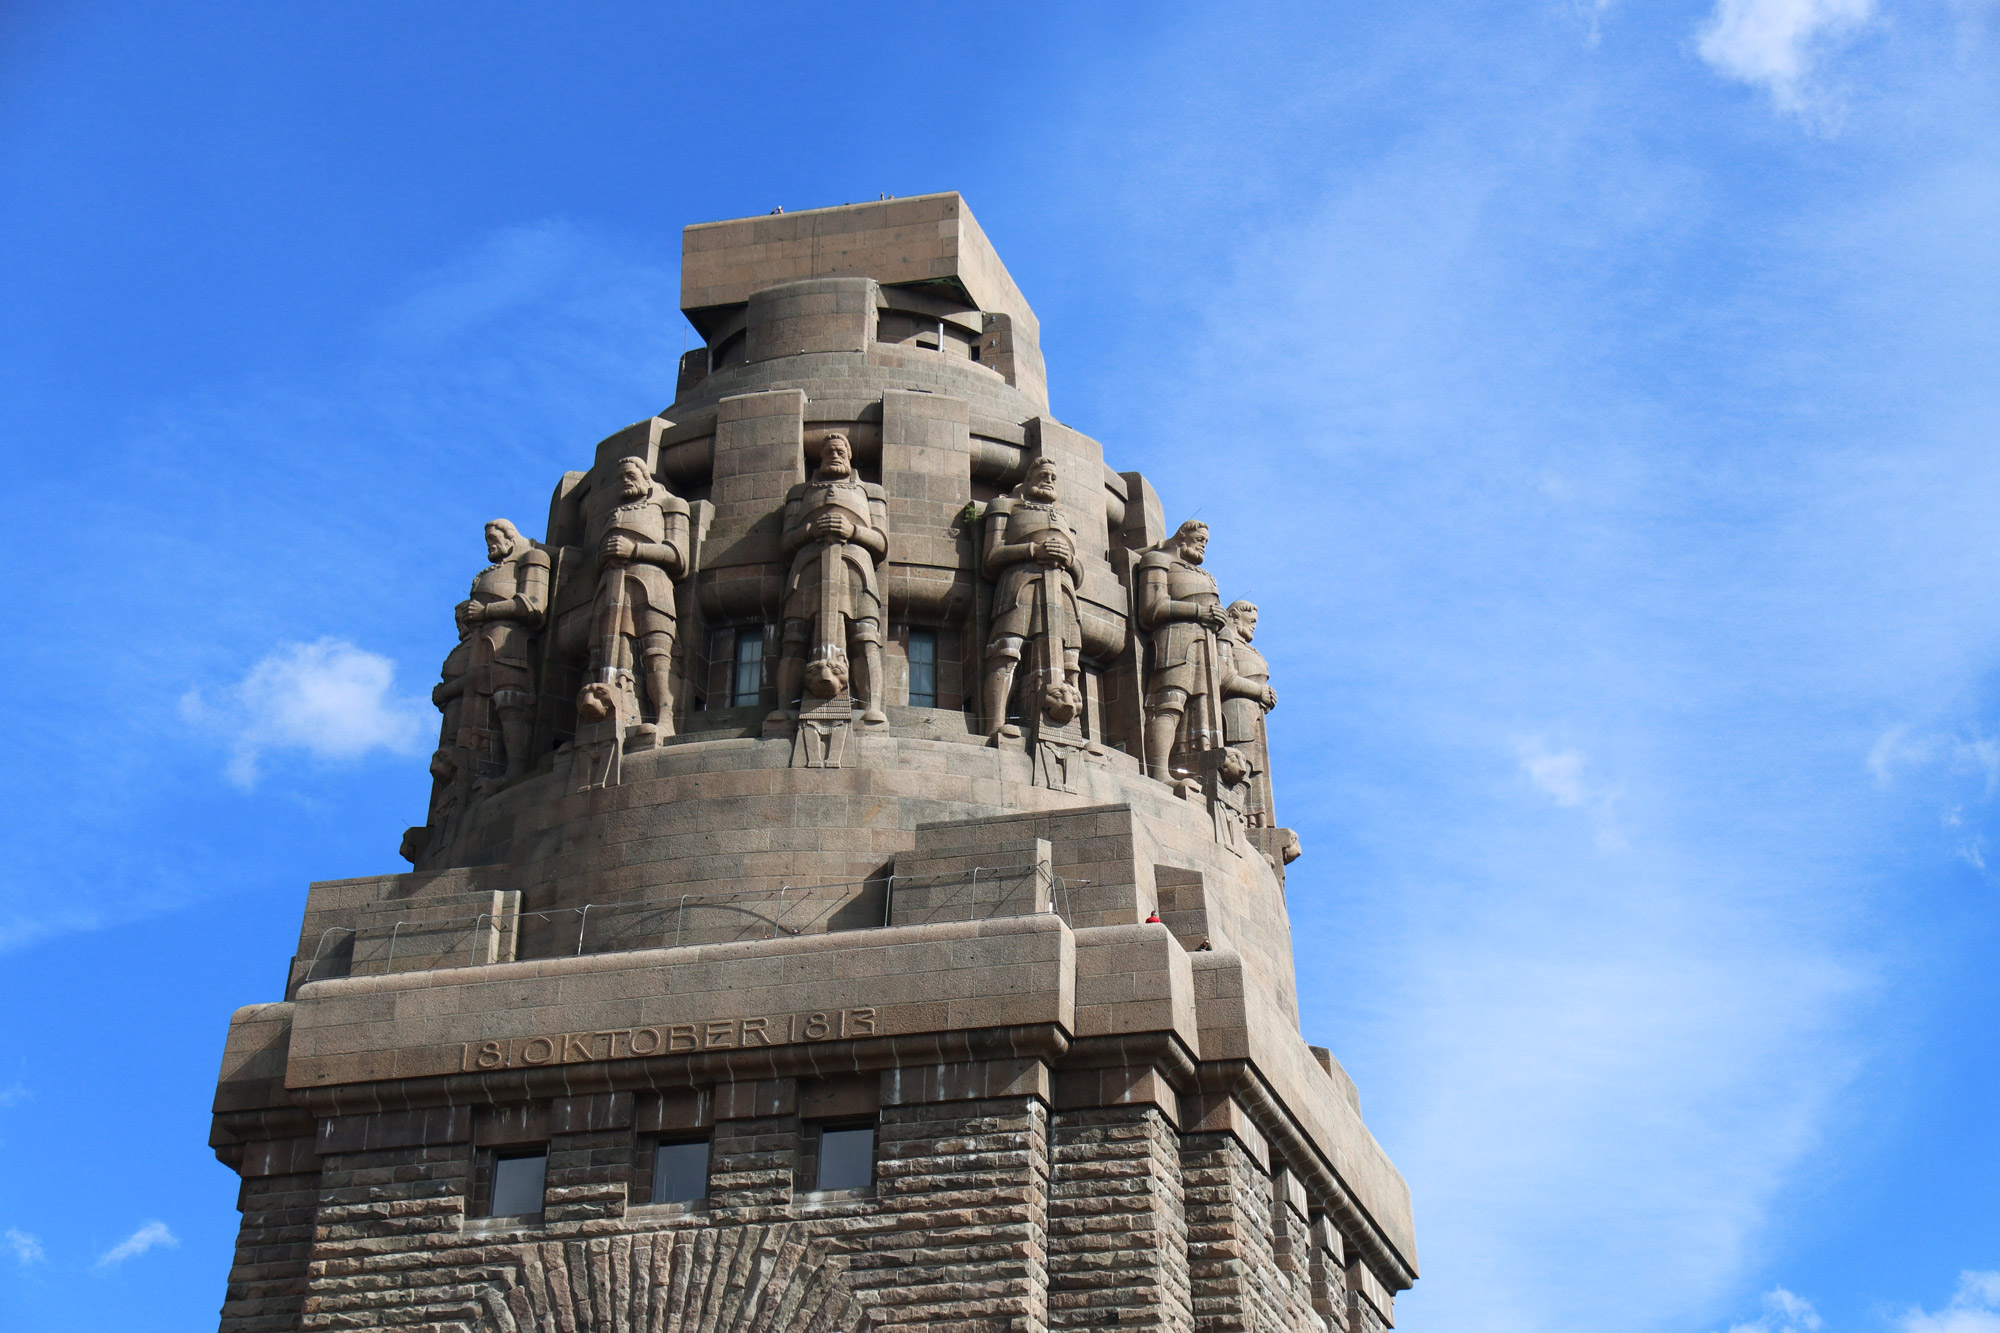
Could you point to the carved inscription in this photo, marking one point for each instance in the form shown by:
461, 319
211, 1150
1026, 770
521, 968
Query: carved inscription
717, 1034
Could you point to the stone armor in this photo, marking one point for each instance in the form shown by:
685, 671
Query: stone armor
1016, 607
863, 585
1178, 663
660, 520
1242, 713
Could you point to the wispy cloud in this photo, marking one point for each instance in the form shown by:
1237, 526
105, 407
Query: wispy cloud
1974, 1308
27, 1249
329, 699
1778, 44
1783, 1313
1559, 775
149, 1236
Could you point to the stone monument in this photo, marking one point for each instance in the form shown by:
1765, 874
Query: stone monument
849, 897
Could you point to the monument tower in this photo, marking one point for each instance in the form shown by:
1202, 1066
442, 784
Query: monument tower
851, 893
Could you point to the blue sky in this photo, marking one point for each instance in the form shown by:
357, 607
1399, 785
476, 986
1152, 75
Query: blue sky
1599, 398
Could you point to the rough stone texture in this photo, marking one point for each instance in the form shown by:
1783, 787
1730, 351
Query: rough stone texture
1059, 990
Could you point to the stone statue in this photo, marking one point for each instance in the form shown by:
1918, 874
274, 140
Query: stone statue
638, 531
509, 598
835, 534
1246, 697
1180, 611
1031, 554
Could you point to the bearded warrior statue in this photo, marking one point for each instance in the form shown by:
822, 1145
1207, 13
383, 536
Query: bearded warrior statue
638, 530
1031, 554
1180, 611
509, 598
835, 534
1247, 697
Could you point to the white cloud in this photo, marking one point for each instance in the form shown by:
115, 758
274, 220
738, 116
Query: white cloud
1974, 1308
1783, 1313
1775, 43
1559, 775
140, 1241
27, 1249
12, 1093
330, 699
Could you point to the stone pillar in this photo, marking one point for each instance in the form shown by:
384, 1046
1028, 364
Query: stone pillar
754, 1154
964, 1192
759, 457
267, 1279
927, 480
1117, 1235
590, 1158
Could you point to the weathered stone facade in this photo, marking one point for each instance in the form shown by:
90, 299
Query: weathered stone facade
850, 895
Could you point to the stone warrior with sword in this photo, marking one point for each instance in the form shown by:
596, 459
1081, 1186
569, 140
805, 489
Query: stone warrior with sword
1031, 553
639, 534
1180, 610
835, 534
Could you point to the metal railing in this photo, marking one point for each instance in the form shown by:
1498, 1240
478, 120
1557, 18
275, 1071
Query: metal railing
809, 895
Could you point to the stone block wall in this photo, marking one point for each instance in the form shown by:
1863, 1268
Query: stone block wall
986, 1215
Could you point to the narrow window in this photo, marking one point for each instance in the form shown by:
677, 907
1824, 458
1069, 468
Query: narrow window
517, 1184
846, 1158
680, 1172
749, 665
923, 668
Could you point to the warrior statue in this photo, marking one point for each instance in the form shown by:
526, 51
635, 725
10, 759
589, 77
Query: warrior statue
1031, 553
835, 534
638, 530
1246, 697
1180, 611
509, 598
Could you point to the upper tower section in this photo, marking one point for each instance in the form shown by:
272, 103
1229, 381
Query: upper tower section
900, 283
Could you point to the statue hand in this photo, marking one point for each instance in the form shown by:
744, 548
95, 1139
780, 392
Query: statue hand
1213, 618
474, 613
833, 526
1270, 698
618, 547
1053, 549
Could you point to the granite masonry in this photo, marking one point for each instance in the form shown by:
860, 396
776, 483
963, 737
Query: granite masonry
850, 894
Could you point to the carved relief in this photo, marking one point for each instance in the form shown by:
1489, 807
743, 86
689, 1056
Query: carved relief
637, 531
835, 535
1180, 611
599, 748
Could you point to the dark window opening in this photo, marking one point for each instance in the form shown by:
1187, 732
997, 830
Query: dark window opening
680, 1172
846, 1157
518, 1182
749, 682
923, 668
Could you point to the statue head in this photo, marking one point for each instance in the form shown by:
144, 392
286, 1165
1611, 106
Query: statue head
1190, 540
1289, 849
1243, 616
596, 701
635, 481
1233, 768
1041, 485
827, 676
502, 540
443, 766
836, 456
1061, 702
